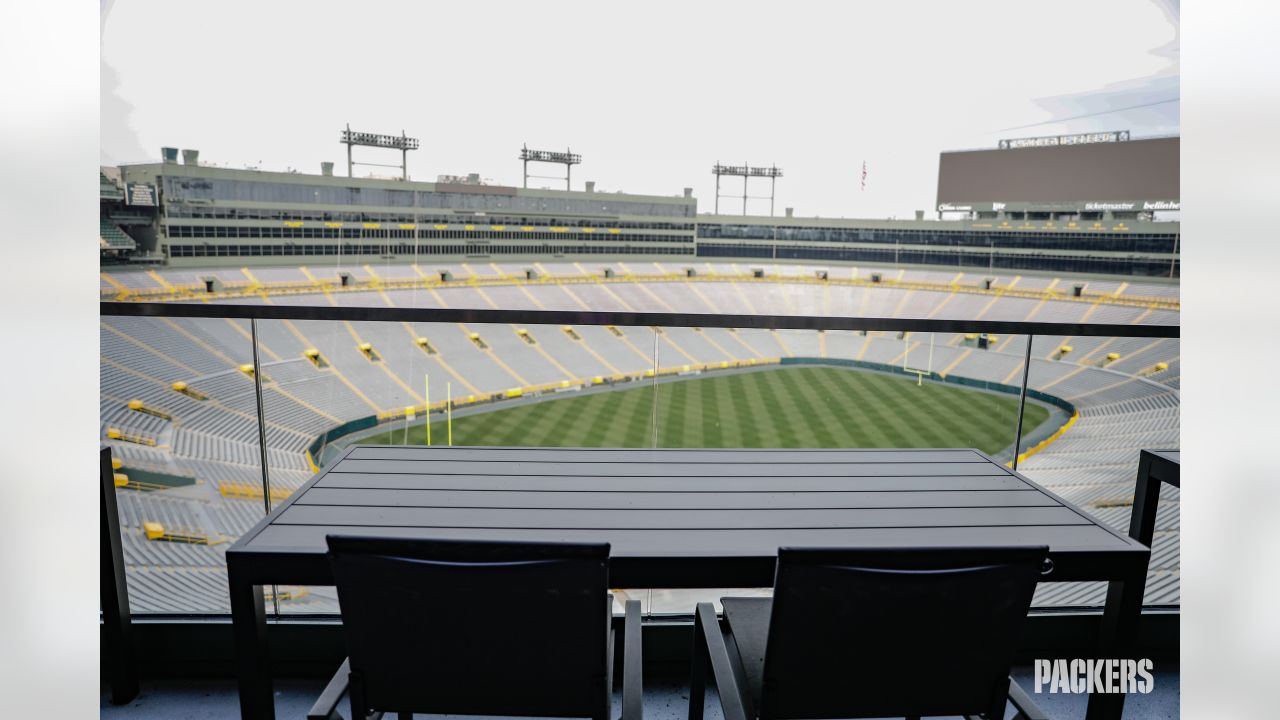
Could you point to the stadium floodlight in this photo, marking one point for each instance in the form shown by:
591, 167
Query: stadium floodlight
568, 159
1056, 140
746, 172
400, 142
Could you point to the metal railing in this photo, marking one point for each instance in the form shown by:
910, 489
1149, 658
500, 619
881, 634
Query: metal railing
559, 318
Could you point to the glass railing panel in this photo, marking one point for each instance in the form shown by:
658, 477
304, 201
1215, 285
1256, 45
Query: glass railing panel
1091, 404
771, 388
323, 379
179, 413
1122, 396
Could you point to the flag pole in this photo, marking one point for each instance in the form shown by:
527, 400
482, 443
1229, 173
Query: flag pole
449, 410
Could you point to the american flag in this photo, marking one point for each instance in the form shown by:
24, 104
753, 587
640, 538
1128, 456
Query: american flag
864, 174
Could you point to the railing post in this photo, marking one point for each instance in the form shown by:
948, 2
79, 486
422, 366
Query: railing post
1022, 400
262, 439
117, 622
653, 420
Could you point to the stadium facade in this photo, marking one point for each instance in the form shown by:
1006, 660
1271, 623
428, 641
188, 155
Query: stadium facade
194, 215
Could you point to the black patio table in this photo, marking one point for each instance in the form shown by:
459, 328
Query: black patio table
675, 518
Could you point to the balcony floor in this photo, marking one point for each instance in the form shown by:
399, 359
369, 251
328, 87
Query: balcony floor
665, 699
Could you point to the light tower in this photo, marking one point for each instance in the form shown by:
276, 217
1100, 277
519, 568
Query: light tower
567, 158
746, 172
400, 142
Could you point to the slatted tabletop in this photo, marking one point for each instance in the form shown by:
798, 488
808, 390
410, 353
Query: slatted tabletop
678, 518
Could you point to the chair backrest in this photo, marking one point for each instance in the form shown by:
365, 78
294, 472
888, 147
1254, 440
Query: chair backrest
895, 632
477, 628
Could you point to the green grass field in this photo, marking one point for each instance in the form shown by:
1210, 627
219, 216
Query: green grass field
789, 407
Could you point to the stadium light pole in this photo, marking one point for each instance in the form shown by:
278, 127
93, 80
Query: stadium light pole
568, 159
746, 172
400, 142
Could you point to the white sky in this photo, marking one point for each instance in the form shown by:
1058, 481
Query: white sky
651, 94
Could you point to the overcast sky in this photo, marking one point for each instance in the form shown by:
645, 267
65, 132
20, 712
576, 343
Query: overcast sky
650, 93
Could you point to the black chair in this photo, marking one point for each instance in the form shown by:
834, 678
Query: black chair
478, 628
872, 633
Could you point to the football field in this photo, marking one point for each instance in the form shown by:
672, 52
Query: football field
786, 407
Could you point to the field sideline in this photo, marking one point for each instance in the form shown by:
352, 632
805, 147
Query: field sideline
789, 407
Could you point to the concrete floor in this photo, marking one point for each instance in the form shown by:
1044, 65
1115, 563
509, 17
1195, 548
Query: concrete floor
664, 699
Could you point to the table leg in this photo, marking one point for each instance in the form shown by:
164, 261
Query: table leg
1118, 636
1146, 500
253, 669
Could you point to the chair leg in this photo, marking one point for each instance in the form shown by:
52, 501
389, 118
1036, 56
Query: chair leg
733, 702
326, 706
355, 693
698, 671
632, 664
1026, 707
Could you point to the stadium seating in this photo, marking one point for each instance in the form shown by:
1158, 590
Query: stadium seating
115, 238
